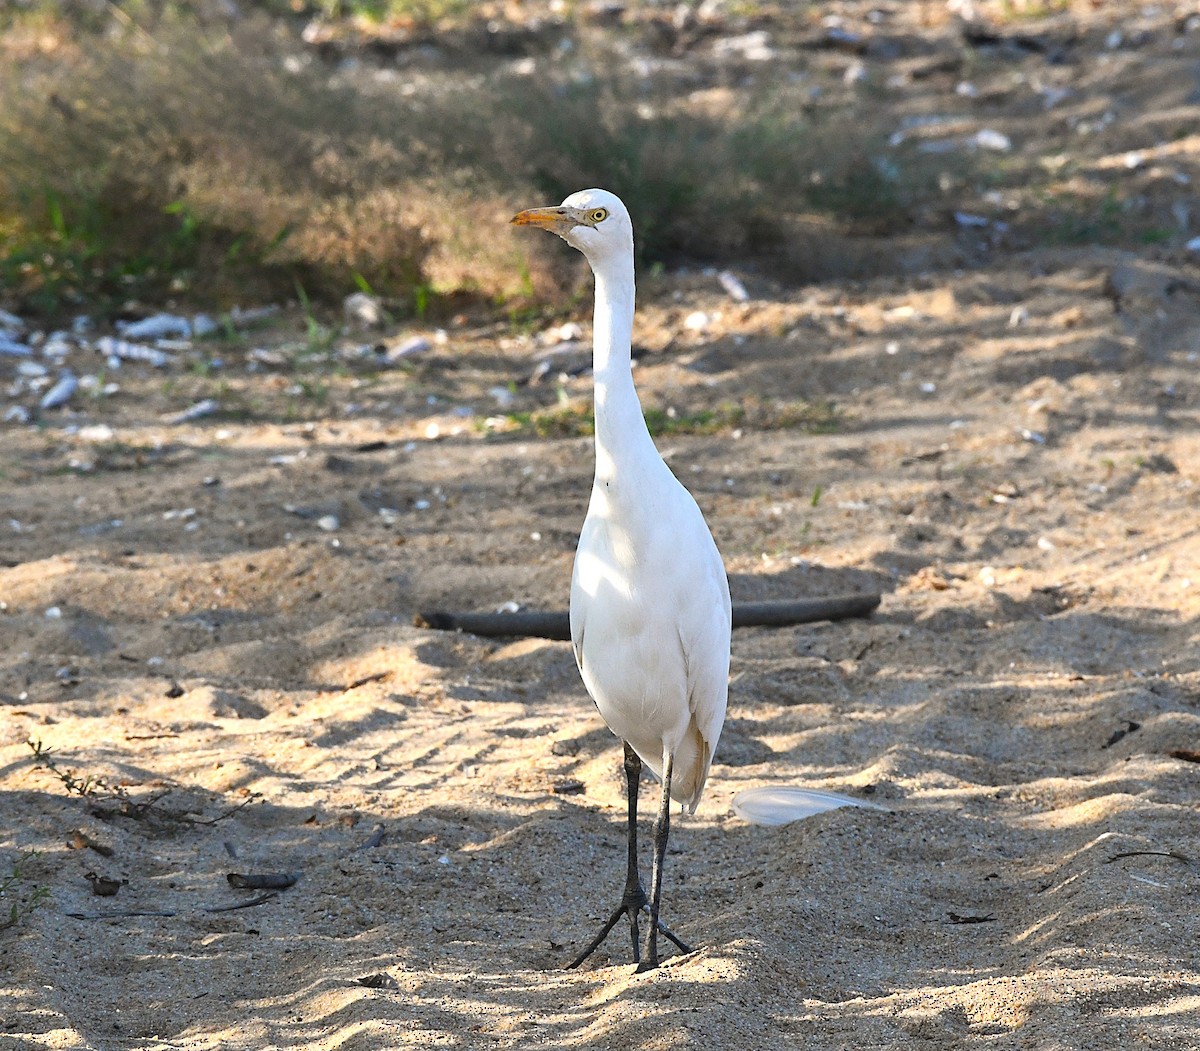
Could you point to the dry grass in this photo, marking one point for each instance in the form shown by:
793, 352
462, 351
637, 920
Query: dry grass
194, 165
193, 161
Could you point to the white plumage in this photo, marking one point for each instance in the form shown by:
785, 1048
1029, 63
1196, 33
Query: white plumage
650, 608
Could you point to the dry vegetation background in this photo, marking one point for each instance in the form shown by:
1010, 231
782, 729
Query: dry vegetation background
219, 150
964, 375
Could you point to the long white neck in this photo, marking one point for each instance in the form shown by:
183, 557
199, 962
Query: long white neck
621, 435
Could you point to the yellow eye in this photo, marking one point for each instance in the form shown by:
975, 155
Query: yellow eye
598, 215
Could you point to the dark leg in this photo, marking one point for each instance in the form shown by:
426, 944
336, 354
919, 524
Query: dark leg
634, 900
662, 829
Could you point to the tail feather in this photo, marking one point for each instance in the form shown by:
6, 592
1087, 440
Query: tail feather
692, 760
689, 774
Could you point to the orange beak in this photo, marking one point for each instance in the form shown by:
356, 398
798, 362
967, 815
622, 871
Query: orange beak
546, 218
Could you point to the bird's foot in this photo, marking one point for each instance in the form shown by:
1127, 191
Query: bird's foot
650, 961
633, 903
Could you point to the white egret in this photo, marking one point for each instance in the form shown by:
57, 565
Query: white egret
650, 609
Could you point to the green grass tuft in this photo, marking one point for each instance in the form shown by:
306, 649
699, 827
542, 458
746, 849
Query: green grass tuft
577, 420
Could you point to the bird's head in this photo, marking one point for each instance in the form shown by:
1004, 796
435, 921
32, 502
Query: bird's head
593, 221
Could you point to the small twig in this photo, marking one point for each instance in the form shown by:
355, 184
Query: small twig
379, 676
249, 903
556, 624
1149, 854
226, 813
138, 810
125, 913
958, 918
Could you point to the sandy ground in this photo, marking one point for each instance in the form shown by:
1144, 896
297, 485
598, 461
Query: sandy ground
1013, 463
